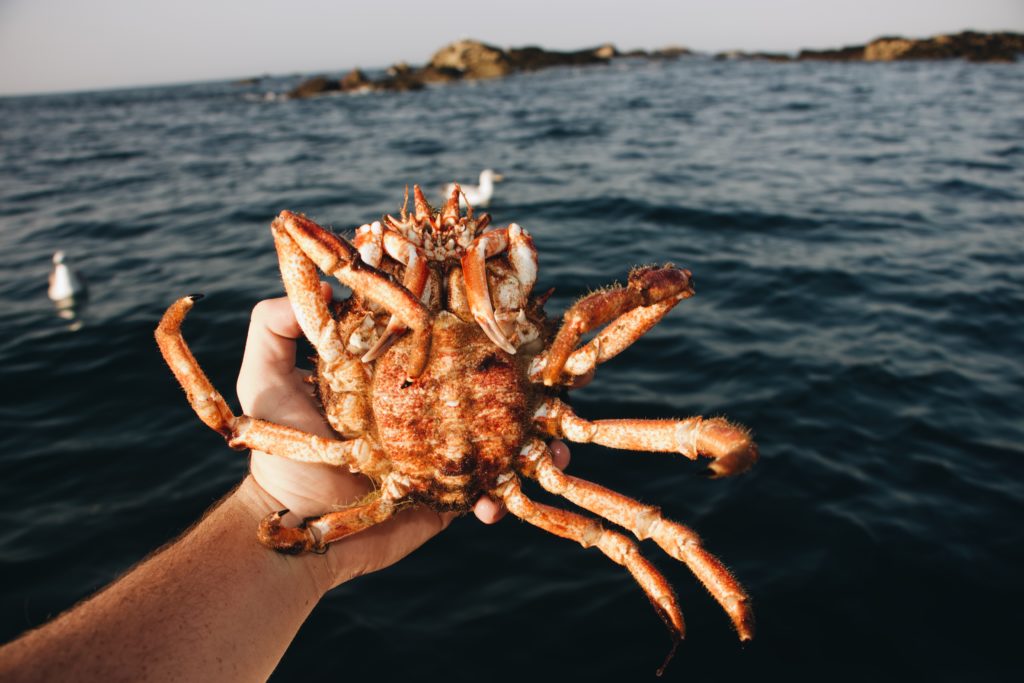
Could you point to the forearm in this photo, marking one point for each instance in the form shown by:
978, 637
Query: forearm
214, 605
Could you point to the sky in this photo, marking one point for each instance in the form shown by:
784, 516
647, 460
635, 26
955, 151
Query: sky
72, 45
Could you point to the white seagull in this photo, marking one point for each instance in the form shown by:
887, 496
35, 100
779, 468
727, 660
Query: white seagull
477, 195
65, 285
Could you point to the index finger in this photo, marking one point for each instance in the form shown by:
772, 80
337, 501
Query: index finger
273, 331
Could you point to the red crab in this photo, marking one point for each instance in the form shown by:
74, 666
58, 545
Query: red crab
442, 377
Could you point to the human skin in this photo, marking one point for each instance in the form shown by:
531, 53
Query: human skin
215, 604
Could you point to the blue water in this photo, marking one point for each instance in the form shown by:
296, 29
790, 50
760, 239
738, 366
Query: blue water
855, 234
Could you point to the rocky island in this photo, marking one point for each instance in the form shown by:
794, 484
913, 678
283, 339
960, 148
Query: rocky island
472, 59
969, 45
464, 59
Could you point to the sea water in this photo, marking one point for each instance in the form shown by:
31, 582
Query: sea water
855, 235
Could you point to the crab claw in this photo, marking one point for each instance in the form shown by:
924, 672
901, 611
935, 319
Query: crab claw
283, 539
493, 331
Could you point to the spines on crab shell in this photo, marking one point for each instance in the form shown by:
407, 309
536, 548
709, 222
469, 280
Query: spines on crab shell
424, 212
444, 234
450, 214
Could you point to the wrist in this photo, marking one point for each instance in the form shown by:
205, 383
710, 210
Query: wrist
311, 568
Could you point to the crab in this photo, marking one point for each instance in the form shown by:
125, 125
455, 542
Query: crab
442, 379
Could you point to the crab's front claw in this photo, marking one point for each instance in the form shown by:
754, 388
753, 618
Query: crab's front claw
286, 540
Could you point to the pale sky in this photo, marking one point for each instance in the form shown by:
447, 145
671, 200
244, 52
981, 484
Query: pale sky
66, 45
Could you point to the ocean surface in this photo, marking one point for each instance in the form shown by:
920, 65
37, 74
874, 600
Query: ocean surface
856, 235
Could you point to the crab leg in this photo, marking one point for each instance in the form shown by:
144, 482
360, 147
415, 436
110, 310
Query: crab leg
616, 337
244, 431
652, 288
209, 405
316, 533
729, 446
589, 532
415, 280
302, 284
296, 235
523, 258
644, 521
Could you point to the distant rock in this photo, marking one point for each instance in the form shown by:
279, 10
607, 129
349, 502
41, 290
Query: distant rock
317, 85
432, 74
534, 58
473, 59
667, 52
355, 81
670, 52
463, 59
853, 53
969, 45
400, 78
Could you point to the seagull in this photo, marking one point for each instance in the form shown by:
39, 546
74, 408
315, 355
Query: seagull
477, 195
65, 285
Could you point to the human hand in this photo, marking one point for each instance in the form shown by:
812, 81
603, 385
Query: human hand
271, 387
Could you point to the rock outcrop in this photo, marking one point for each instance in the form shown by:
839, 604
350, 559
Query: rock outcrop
355, 81
969, 45
472, 59
670, 52
311, 87
853, 53
463, 59
535, 58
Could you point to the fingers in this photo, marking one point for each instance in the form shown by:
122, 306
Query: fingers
489, 511
272, 334
273, 330
270, 344
559, 453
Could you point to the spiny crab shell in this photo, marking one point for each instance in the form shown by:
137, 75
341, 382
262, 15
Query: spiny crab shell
442, 378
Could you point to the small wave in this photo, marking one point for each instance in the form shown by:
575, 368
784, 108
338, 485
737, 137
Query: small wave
619, 208
1011, 151
975, 165
99, 156
960, 188
417, 146
567, 131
